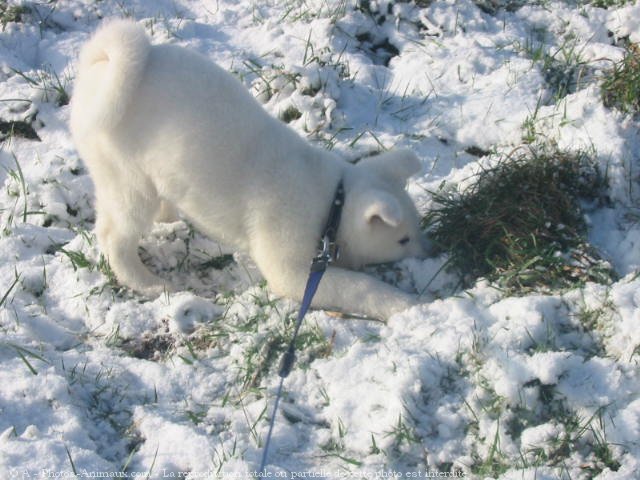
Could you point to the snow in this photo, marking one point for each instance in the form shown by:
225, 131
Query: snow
96, 379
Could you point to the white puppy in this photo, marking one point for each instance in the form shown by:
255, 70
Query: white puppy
161, 127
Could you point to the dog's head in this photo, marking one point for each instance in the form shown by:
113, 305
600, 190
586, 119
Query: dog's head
380, 223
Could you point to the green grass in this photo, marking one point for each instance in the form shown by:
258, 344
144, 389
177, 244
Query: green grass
53, 87
23, 353
105, 400
290, 114
621, 86
79, 260
585, 435
563, 67
263, 356
496, 463
608, 3
403, 433
5, 296
595, 318
16, 188
337, 448
17, 128
520, 224
219, 262
564, 70
149, 347
493, 6
12, 13
578, 436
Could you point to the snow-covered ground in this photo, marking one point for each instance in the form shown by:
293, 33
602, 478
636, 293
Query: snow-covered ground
99, 382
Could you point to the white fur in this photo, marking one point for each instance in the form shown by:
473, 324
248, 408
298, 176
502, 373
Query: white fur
162, 129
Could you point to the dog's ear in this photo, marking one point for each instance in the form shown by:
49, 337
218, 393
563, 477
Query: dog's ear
383, 207
398, 164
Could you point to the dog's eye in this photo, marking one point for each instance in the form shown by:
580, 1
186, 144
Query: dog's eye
404, 240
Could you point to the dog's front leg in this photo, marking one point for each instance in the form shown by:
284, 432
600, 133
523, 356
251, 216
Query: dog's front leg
344, 290
357, 292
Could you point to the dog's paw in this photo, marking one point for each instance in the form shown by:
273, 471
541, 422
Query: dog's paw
154, 291
152, 287
400, 304
166, 213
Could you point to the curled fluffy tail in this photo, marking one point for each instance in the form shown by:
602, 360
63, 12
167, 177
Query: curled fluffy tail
110, 69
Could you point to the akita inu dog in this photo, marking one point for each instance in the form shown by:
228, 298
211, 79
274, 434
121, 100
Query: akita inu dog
162, 128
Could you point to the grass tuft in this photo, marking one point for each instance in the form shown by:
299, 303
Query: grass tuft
496, 463
492, 7
621, 87
17, 128
564, 70
290, 114
608, 3
563, 67
12, 13
520, 224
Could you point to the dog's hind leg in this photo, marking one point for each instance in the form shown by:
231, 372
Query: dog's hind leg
166, 213
126, 204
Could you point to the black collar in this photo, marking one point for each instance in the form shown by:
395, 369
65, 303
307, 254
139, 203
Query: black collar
327, 248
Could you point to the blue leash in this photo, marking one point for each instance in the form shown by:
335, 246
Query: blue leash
326, 255
289, 357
